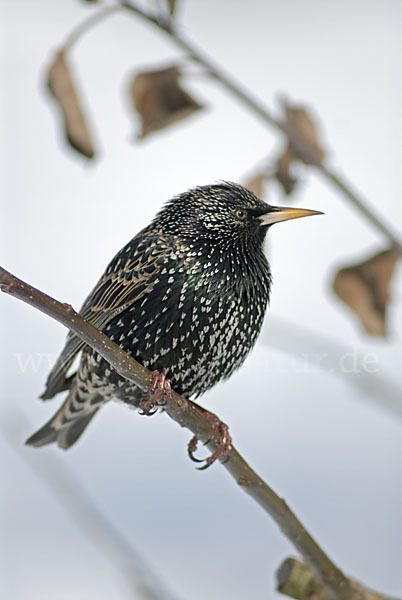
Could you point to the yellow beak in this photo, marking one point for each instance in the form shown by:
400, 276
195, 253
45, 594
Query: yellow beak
279, 214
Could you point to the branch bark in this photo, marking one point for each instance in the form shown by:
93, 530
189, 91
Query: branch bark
180, 410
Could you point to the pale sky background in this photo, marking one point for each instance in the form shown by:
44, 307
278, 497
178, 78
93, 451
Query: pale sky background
331, 445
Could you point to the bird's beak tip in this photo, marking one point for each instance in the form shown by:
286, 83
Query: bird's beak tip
279, 214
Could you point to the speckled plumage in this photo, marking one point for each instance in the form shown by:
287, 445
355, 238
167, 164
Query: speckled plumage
187, 294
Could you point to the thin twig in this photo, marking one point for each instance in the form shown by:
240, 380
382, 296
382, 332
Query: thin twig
166, 24
87, 24
181, 411
264, 113
359, 202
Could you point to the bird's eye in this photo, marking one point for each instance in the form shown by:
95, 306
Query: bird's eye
240, 214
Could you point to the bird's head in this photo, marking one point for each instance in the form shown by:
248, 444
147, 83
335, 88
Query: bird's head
223, 213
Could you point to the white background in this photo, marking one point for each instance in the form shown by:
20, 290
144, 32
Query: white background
332, 448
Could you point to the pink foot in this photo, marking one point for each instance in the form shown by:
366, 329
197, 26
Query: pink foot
220, 433
160, 387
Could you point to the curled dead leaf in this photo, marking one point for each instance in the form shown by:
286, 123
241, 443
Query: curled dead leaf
256, 184
303, 145
302, 134
62, 88
159, 99
283, 171
365, 288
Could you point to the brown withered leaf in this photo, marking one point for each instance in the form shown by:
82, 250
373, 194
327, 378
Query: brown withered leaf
301, 124
365, 288
307, 149
62, 88
159, 99
283, 171
256, 184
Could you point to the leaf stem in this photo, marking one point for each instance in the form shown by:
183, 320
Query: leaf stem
87, 24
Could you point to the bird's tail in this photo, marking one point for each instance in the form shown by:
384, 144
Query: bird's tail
66, 426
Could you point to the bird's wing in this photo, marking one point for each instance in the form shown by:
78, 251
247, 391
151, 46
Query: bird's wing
131, 274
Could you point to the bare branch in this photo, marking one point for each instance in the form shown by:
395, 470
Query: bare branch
306, 153
236, 89
181, 411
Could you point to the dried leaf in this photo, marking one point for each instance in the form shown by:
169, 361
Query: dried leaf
172, 6
256, 184
365, 288
283, 171
301, 125
61, 86
159, 99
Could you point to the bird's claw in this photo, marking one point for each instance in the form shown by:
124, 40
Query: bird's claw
220, 433
159, 393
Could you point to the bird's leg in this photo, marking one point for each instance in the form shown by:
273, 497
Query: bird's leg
159, 392
220, 432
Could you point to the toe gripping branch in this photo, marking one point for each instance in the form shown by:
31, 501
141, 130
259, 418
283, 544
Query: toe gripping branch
159, 393
220, 433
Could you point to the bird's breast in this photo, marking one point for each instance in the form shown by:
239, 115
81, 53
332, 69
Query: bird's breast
199, 320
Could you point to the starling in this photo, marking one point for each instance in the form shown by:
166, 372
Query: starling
186, 297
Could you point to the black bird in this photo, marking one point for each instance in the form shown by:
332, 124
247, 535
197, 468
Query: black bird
185, 297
